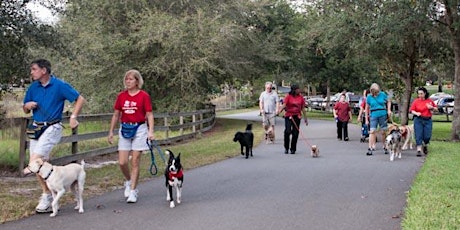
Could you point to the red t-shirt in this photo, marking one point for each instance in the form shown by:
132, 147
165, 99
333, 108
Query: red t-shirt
419, 105
294, 105
133, 108
342, 110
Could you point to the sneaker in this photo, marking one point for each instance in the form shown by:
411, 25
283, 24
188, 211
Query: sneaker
419, 154
127, 188
292, 152
285, 151
132, 198
346, 139
425, 149
369, 152
44, 205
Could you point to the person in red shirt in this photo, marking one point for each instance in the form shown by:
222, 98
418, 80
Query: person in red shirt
132, 108
294, 106
342, 115
422, 108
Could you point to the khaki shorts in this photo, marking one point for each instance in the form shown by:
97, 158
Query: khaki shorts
46, 142
268, 119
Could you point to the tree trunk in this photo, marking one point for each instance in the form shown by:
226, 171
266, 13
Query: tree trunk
405, 99
456, 118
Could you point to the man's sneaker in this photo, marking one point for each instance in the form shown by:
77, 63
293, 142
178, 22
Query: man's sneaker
132, 198
425, 149
127, 188
419, 154
44, 205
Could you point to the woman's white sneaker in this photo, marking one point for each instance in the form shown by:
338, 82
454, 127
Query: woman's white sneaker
132, 198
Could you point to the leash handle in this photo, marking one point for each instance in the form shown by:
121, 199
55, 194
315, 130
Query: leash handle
153, 167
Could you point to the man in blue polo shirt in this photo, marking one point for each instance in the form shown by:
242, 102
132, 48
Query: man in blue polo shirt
45, 98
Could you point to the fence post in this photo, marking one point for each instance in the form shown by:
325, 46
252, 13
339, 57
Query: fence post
167, 127
75, 143
181, 122
194, 125
22, 145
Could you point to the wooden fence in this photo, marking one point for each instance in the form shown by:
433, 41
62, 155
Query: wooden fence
198, 121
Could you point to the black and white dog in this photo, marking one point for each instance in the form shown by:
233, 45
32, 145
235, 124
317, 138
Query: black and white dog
246, 140
174, 178
394, 144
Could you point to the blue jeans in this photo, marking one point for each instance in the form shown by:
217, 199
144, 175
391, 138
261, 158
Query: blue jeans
422, 128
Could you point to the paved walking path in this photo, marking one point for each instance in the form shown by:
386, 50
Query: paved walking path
342, 189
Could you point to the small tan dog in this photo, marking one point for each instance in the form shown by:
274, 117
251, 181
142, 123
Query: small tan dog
60, 178
269, 134
314, 151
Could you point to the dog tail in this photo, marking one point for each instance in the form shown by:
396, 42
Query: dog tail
83, 163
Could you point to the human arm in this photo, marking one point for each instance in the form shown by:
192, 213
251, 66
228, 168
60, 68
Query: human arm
76, 110
150, 120
113, 122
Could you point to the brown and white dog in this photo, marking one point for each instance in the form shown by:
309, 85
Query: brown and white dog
60, 178
314, 151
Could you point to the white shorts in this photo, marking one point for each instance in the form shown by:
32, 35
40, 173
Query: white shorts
269, 119
46, 142
138, 143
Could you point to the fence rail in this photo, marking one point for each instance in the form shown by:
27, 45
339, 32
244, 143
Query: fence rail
198, 121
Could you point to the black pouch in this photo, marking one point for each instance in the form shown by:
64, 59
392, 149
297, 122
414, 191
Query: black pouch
128, 130
34, 131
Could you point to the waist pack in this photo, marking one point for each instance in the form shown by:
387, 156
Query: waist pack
34, 131
128, 130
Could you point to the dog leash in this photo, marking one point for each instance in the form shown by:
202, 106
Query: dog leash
154, 144
301, 133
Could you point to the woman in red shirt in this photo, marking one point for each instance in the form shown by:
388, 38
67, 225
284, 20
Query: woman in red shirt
342, 115
422, 108
132, 108
294, 104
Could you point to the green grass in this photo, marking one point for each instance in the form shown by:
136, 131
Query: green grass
434, 199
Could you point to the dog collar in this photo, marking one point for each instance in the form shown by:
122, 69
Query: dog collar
49, 174
173, 175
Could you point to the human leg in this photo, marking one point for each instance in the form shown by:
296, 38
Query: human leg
345, 130
418, 130
295, 134
287, 133
372, 130
339, 129
427, 131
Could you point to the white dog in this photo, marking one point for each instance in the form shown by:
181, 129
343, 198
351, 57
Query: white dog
60, 178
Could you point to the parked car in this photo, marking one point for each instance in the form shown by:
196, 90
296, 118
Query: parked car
315, 103
445, 105
354, 103
437, 96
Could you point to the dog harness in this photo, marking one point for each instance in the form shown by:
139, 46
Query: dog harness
47, 176
172, 175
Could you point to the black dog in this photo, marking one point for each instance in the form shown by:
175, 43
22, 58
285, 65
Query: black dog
246, 139
174, 178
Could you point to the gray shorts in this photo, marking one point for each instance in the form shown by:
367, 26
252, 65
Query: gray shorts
268, 119
138, 143
46, 142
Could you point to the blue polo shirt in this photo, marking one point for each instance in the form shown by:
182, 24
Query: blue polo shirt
50, 98
377, 104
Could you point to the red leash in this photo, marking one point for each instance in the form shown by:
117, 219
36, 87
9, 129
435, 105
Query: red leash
301, 133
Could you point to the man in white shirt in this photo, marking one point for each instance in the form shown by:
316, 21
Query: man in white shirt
269, 103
